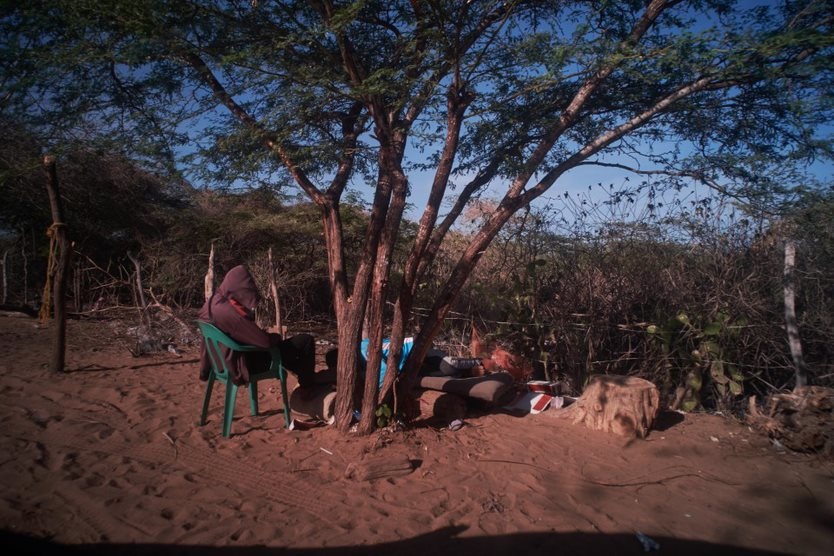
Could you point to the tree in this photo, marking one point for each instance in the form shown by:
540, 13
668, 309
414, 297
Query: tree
510, 95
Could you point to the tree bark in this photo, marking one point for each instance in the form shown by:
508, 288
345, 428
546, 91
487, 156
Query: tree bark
208, 281
5, 280
800, 368
626, 406
351, 326
421, 255
58, 266
379, 468
140, 294
273, 289
379, 289
25, 265
76, 288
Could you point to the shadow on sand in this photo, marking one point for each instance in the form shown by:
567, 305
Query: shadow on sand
442, 541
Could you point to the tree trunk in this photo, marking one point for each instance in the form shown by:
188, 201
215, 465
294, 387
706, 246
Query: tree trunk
5, 280
273, 289
623, 405
208, 281
790, 315
140, 294
350, 325
59, 262
25, 264
76, 289
428, 237
379, 289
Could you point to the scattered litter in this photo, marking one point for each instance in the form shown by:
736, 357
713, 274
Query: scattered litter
291, 426
533, 402
173, 443
326, 451
545, 387
714, 439
648, 543
778, 445
687, 515
456, 425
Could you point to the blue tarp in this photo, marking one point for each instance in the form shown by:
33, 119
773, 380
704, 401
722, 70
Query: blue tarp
408, 343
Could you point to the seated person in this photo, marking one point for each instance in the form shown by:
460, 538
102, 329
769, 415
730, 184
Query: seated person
232, 310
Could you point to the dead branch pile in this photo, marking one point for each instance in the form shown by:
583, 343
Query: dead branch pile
802, 420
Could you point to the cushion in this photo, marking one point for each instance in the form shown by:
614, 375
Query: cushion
491, 388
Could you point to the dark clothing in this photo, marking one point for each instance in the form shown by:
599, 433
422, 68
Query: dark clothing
232, 310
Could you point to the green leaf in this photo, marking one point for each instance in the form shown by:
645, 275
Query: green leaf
735, 388
712, 329
716, 370
689, 404
693, 380
712, 348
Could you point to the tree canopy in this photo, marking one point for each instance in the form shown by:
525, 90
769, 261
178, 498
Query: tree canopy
509, 94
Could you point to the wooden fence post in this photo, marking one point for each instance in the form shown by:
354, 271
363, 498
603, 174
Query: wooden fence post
59, 262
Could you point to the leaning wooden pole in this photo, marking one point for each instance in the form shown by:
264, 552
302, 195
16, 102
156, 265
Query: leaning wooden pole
58, 267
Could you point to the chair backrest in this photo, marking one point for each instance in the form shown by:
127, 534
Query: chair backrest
215, 339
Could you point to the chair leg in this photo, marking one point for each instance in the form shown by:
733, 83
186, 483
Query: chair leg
253, 397
207, 399
282, 376
229, 410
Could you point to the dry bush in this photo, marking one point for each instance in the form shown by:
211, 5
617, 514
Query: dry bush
692, 302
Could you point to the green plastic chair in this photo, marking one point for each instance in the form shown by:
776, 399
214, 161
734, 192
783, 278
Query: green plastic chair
215, 339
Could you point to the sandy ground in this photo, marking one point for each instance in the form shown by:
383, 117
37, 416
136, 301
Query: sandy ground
108, 458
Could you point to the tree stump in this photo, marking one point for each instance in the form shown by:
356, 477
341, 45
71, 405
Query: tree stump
623, 405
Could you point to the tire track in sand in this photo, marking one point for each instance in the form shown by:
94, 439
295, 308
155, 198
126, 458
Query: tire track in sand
253, 481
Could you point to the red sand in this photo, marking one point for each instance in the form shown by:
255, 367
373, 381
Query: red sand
109, 454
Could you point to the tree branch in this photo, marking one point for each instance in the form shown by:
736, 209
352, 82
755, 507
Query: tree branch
209, 79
